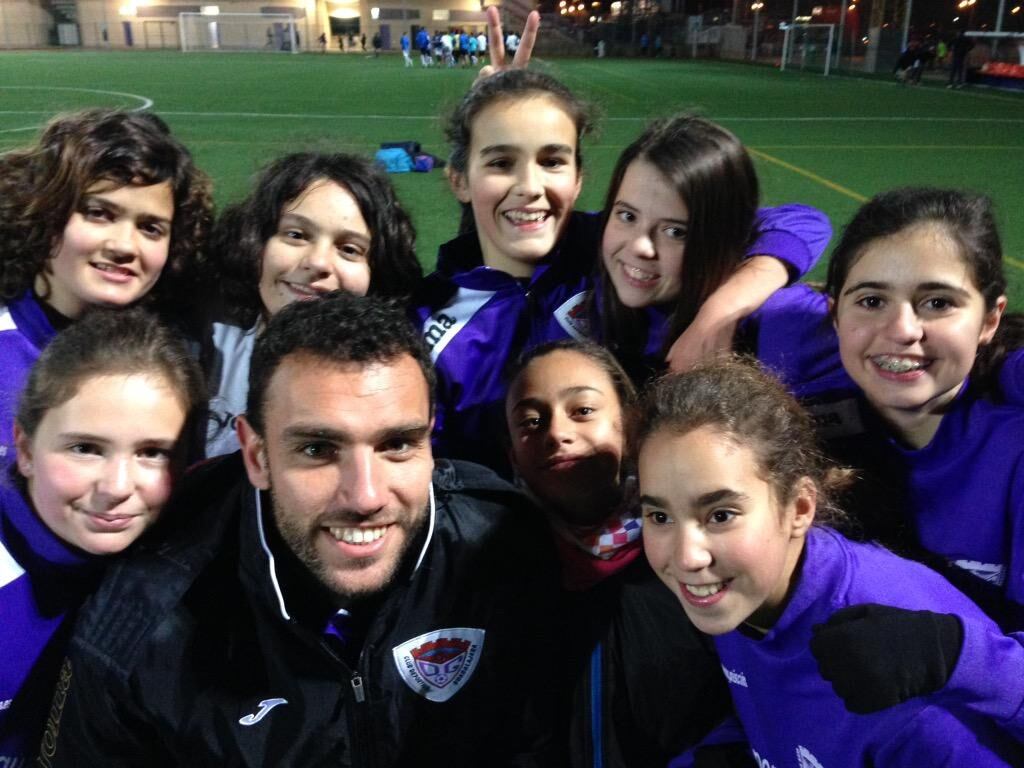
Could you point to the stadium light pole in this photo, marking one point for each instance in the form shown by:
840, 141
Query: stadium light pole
842, 26
756, 8
906, 25
792, 19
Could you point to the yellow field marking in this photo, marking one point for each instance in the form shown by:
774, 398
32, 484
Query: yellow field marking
808, 174
839, 188
896, 147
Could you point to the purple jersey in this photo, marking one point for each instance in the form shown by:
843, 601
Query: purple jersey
792, 336
792, 717
24, 332
960, 497
966, 490
1000, 696
1011, 377
476, 320
42, 581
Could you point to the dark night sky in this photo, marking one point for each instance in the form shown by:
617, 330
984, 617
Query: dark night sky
939, 13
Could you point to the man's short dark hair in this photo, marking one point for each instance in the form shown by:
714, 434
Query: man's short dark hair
339, 328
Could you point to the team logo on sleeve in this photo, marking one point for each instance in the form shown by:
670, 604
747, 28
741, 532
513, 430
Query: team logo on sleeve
838, 419
572, 316
437, 664
805, 759
443, 326
993, 573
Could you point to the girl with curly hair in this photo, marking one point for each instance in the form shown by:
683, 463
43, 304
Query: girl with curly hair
106, 209
313, 223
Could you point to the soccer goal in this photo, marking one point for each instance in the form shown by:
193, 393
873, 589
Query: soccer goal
270, 32
808, 47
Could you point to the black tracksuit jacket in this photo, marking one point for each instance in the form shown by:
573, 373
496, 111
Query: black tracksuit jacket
188, 636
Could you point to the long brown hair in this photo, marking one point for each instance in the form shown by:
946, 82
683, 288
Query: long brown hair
714, 176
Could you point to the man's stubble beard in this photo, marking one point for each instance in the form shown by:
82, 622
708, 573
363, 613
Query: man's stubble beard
300, 539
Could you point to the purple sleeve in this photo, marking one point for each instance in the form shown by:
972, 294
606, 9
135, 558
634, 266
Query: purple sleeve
1011, 377
939, 739
1014, 587
796, 235
989, 677
729, 731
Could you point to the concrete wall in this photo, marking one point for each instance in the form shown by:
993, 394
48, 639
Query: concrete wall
24, 24
154, 23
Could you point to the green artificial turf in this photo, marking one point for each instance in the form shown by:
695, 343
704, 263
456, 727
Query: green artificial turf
830, 142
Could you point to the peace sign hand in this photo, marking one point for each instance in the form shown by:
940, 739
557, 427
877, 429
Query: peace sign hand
496, 43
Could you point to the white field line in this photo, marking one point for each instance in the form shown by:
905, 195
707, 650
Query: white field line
144, 101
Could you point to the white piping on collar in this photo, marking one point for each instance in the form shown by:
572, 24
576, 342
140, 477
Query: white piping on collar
430, 531
270, 557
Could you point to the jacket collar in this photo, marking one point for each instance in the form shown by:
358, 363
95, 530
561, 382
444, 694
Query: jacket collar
31, 320
256, 541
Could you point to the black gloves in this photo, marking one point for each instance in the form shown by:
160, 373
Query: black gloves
876, 656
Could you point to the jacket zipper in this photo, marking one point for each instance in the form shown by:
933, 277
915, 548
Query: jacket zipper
597, 706
357, 688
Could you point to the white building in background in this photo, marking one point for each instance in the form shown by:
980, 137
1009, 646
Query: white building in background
155, 23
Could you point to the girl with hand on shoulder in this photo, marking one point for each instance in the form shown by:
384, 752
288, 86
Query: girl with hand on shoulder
313, 223
107, 209
522, 270
644, 684
686, 254
731, 483
101, 432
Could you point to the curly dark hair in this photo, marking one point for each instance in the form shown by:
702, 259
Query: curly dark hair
602, 357
243, 229
338, 328
43, 185
737, 397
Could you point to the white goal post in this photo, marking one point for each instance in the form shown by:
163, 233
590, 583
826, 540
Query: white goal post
269, 32
1002, 46
808, 47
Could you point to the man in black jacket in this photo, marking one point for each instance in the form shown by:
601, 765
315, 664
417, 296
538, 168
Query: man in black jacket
329, 596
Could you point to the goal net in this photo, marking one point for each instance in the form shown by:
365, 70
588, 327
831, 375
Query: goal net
808, 47
270, 32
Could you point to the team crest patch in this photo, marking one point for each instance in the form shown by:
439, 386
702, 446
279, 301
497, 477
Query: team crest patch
437, 664
572, 316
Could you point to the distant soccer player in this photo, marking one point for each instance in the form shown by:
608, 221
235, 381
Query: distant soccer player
406, 45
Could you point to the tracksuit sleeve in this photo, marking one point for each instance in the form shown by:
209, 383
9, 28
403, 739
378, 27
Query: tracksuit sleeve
939, 739
989, 677
86, 726
728, 734
1011, 377
795, 234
